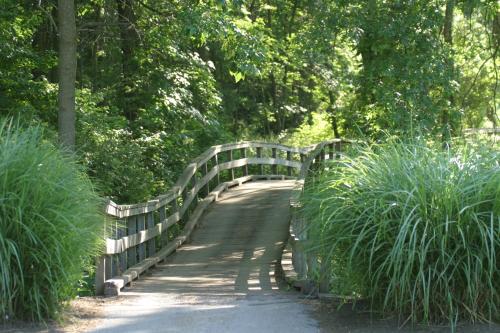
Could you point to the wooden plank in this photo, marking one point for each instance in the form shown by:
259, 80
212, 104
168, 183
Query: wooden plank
112, 209
113, 286
152, 242
141, 225
217, 166
100, 274
131, 230
205, 172
274, 166
186, 201
243, 154
119, 245
289, 158
122, 232
230, 158
186, 176
258, 160
152, 205
259, 155
164, 233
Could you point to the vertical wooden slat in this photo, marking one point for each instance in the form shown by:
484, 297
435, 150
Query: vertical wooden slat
330, 151
216, 156
289, 158
108, 267
131, 252
121, 232
317, 162
152, 241
338, 149
184, 206
141, 225
259, 155
207, 187
274, 166
164, 234
244, 155
230, 157
194, 182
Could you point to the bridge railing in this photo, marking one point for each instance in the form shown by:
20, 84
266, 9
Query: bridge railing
141, 235
306, 263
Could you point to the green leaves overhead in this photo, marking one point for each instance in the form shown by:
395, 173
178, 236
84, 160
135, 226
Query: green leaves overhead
194, 73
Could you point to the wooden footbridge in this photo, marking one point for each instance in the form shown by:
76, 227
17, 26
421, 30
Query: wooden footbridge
219, 231
142, 235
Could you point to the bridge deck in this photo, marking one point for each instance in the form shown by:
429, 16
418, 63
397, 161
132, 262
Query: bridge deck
224, 279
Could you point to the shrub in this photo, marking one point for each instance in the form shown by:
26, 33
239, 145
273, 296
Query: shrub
49, 224
415, 228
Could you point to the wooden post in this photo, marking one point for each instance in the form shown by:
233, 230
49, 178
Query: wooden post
330, 151
230, 157
259, 155
141, 225
131, 252
274, 166
100, 275
289, 158
152, 241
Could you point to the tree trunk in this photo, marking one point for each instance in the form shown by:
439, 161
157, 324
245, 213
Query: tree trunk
368, 56
448, 38
333, 116
129, 38
67, 73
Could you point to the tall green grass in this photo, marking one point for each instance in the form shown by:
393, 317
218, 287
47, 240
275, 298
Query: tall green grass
414, 228
49, 224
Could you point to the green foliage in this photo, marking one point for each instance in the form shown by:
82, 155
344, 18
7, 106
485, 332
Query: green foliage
308, 133
414, 228
21, 93
132, 166
50, 223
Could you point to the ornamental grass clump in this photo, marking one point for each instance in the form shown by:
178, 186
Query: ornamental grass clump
49, 225
414, 228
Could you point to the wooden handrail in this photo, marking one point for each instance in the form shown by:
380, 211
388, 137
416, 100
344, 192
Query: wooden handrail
138, 237
305, 263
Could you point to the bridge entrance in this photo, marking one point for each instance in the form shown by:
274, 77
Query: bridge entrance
224, 278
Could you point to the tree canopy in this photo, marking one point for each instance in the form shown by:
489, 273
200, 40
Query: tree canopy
159, 81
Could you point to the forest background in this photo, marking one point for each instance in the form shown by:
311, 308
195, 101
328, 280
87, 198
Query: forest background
157, 82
